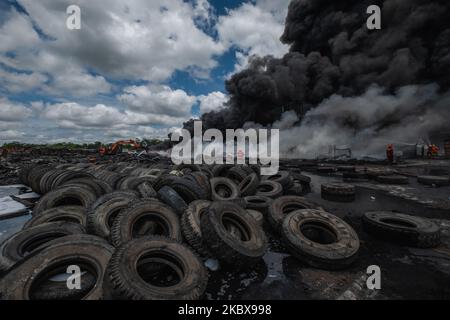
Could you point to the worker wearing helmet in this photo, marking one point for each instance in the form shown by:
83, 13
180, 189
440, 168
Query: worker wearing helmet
390, 153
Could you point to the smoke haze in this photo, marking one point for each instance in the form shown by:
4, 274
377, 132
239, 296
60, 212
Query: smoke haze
362, 88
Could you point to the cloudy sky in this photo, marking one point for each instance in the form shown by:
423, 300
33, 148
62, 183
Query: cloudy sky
137, 68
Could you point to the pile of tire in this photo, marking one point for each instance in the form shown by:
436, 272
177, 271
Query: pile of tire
144, 231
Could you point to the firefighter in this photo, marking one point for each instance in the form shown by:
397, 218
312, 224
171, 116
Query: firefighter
433, 151
390, 153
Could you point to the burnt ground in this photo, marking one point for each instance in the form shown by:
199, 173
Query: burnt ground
406, 273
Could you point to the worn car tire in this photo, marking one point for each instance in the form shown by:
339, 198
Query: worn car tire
145, 218
170, 197
320, 239
402, 228
35, 175
126, 271
237, 174
188, 190
258, 203
73, 214
295, 190
57, 290
25, 242
249, 186
223, 244
223, 189
282, 177
282, 206
99, 187
221, 170
67, 195
257, 215
434, 180
190, 226
77, 249
271, 189
338, 189
338, 192
103, 212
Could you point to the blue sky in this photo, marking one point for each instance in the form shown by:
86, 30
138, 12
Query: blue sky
136, 68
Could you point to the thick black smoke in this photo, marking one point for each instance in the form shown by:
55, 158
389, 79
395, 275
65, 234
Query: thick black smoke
333, 53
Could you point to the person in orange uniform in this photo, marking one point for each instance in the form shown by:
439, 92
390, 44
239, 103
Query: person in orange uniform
390, 153
433, 150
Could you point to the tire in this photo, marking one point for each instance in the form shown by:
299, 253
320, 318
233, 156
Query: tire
202, 181
221, 170
282, 206
132, 183
283, 177
192, 167
23, 174
256, 169
295, 190
338, 189
237, 174
104, 211
188, 190
170, 197
164, 180
257, 215
249, 186
160, 220
45, 183
73, 214
126, 271
25, 242
258, 203
223, 189
433, 180
35, 176
190, 226
82, 250
402, 229
67, 176
270, 189
302, 179
320, 239
98, 187
67, 195
393, 179
57, 290
223, 244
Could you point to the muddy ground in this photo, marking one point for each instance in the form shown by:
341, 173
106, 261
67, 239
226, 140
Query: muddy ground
406, 273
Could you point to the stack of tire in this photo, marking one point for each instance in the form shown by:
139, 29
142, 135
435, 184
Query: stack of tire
143, 231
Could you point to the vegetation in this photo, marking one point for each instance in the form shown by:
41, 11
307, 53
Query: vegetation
68, 145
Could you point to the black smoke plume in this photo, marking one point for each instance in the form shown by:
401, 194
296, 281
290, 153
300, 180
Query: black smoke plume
333, 52
333, 55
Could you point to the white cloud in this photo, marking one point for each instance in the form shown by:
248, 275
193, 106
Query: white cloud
158, 100
17, 33
74, 115
137, 40
254, 29
11, 135
212, 102
10, 111
21, 82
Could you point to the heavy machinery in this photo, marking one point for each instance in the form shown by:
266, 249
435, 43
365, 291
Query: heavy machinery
122, 146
